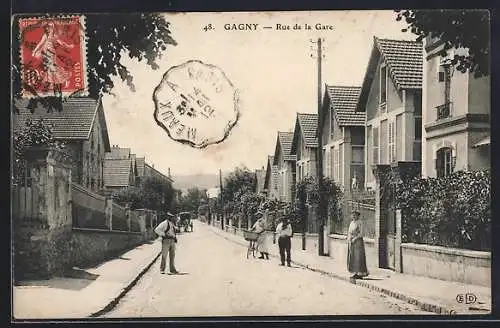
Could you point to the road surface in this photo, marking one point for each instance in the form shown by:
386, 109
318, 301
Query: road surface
220, 281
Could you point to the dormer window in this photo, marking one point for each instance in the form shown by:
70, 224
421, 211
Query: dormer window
383, 84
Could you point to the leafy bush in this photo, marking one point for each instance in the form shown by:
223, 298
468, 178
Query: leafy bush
308, 194
35, 133
454, 211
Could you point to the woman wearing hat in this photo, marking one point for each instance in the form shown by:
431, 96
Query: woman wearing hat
263, 239
356, 258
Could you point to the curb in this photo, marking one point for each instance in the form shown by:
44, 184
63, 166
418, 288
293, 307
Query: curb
429, 307
124, 291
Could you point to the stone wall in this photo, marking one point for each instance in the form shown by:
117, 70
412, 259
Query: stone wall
470, 267
91, 246
338, 250
44, 240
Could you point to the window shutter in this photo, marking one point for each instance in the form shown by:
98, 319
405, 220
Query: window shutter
439, 165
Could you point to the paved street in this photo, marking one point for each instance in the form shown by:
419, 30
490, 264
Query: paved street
220, 281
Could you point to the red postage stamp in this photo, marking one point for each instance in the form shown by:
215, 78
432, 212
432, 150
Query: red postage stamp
53, 56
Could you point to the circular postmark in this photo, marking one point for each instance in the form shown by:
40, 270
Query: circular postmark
196, 104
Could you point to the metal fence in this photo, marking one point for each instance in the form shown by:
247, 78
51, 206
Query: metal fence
367, 217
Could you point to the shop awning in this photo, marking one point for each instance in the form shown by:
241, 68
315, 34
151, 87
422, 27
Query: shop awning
483, 142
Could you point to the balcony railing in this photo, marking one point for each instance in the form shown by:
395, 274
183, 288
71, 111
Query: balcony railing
444, 111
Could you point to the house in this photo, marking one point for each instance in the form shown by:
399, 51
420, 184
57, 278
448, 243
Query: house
456, 115
81, 125
343, 136
146, 170
118, 173
285, 163
271, 179
304, 145
391, 97
115, 161
123, 169
260, 176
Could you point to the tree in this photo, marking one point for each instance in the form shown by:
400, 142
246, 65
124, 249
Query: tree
308, 194
193, 199
34, 133
141, 36
152, 193
464, 28
237, 183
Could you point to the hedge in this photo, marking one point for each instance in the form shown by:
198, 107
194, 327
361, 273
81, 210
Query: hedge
453, 211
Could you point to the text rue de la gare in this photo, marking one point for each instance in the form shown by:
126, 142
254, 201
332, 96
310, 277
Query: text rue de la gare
277, 27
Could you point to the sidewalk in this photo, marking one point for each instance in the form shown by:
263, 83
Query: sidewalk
431, 295
88, 292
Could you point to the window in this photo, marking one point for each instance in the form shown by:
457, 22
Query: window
444, 162
332, 124
383, 84
358, 154
417, 103
375, 145
324, 162
444, 76
392, 141
336, 164
418, 128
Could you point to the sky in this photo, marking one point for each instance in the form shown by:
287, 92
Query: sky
272, 70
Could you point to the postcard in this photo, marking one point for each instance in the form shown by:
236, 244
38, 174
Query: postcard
264, 164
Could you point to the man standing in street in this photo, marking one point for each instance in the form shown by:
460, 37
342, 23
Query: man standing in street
284, 232
166, 230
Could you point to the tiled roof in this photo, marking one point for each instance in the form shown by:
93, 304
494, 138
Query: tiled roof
285, 140
269, 168
118, 153
141, 164
74, 121
343, 97
308, 125
350, 118
117, 172
405, 61
343, 102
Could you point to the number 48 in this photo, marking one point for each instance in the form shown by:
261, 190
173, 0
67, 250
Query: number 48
208, 27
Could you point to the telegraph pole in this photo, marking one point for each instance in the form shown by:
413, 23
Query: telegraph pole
322, 211
221, 199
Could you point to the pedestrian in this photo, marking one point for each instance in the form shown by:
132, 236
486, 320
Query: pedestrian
167, 231
356, 258
284, 232
263, 239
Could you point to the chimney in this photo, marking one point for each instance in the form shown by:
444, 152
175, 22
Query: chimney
169, 173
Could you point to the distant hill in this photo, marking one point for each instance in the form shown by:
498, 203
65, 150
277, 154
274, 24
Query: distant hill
201, 181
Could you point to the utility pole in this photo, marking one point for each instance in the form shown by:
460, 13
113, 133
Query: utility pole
221, 199
319, 157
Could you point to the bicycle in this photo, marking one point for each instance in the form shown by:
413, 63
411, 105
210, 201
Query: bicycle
251, 237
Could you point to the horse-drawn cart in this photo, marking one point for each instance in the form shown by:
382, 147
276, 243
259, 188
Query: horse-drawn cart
185, 221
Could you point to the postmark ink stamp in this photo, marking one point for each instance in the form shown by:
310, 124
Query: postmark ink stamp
53, 56
196, 104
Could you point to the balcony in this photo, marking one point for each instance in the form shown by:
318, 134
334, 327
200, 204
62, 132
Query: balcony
444, 111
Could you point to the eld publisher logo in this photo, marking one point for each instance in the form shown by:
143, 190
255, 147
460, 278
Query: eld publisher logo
468, 298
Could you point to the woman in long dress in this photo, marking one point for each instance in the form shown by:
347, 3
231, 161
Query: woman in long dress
46, 50
263, 239
356, 257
